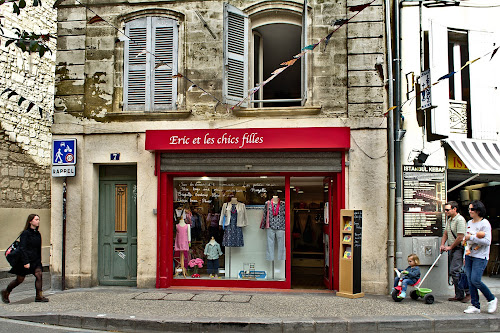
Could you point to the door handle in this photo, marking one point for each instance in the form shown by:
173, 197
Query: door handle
119, 240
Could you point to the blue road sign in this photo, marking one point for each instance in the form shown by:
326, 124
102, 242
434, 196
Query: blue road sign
64, 152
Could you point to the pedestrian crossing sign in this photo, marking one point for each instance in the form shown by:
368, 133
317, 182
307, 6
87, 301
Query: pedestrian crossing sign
64, 152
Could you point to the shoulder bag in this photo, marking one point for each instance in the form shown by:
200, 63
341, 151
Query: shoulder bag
13, 253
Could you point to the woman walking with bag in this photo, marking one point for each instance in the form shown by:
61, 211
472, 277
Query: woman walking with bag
477, 259
30, 261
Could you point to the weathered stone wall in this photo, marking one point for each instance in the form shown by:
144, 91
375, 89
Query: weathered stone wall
345, 88
343, 78
25, 136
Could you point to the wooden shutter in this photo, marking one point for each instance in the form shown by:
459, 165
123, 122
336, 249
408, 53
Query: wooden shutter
303, 60
440, 115
235, 79
165, 41
483, 84
135, 90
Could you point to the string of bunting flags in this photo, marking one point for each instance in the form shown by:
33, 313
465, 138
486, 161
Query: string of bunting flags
21, 99
337, 23
447, 76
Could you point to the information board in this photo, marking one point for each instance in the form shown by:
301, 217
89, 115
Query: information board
424, 194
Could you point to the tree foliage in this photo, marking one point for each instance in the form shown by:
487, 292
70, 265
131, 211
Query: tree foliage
26, 41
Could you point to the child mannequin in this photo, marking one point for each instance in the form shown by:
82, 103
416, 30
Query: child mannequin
409, 275
213, 252
182, 241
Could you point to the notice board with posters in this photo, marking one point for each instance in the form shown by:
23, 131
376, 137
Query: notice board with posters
424, 194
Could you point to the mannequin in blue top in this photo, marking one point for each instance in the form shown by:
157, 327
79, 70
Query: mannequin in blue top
409, 275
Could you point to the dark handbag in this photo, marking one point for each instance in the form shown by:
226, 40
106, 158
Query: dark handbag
13, 253
463, 282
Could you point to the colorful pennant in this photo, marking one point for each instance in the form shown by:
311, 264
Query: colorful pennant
95, 19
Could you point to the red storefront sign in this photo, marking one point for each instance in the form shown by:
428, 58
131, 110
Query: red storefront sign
319, 138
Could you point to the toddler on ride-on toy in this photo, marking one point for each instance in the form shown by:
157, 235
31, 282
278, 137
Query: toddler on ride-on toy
409, 276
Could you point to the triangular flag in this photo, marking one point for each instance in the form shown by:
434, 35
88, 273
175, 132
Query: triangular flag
5, 90
289, 62
309, 47
279, 70
95, 19
21, 100
253, 90
12, 93
339, 22
359, 8
446, 76
159, 64
494, 52
327, 38
299, 55
30, 106
142, 52
203, 93
192, 87
177, 76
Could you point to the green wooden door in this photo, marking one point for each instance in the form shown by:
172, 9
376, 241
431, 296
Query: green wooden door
117, 232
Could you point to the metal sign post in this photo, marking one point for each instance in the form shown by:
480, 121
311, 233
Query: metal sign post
63, 165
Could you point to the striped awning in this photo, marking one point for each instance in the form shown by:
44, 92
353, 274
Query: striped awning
479, 156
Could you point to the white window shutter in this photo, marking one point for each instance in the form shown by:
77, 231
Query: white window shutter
440, 115
134, 88
235, 78
163, 86
303, 60
483, 86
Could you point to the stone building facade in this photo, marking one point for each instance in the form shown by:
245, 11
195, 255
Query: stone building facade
25, 137
96, 103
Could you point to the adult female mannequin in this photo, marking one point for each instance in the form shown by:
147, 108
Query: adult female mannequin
182, 240
232, 218
274, 221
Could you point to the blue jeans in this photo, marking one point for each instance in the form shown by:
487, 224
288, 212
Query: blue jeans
404, 284
474, 268
213, 266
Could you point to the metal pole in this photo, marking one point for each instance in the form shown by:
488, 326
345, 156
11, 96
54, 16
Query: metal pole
390, 139
397, 144
63, 270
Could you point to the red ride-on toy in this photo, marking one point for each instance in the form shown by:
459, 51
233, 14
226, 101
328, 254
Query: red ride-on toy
425, 293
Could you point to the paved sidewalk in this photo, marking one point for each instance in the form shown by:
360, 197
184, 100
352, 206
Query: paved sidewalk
126, 309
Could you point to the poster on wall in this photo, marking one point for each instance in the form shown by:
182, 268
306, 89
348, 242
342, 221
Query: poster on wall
424, 194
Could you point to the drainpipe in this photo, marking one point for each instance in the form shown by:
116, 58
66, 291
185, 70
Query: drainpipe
398, 133
390, 138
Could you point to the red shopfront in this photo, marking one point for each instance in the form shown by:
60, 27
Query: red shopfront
222, 187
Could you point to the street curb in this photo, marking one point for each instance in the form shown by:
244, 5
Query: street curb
123, 323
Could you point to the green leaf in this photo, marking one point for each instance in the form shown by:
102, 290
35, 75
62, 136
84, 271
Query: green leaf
33, 46
41, 52
30, 106
22, 3
21, 100
5, 90
12, 93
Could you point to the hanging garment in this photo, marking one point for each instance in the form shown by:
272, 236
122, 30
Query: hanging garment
307, 236
181, 238
233, 235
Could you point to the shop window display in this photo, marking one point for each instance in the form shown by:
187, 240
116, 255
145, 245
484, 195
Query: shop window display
236, 225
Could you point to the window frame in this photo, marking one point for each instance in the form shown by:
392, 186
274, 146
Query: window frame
150, 23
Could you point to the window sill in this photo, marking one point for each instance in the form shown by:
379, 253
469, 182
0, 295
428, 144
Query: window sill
276, 111
145, 116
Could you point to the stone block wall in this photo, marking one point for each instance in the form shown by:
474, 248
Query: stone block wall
25, 138
343, 77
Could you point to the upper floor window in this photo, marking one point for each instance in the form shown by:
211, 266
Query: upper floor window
464, 102
255, 46
150, 62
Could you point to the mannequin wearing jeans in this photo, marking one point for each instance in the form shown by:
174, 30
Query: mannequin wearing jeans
274, 221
